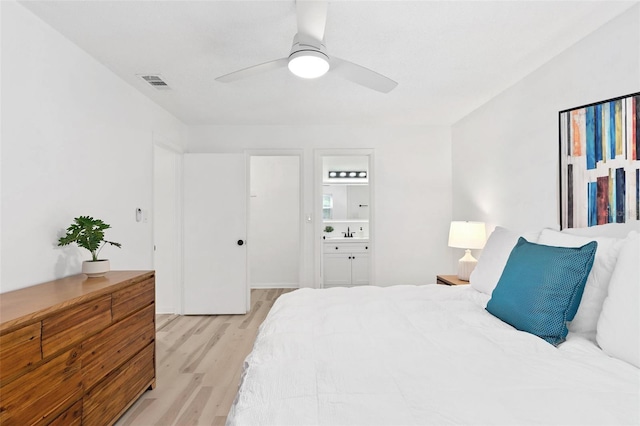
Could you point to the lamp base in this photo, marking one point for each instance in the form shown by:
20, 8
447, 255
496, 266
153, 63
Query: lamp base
466, 265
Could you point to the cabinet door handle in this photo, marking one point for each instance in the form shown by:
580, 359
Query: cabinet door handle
336, 248
366, 248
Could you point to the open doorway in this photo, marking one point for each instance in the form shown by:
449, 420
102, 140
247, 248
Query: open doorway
274, 228
344, 204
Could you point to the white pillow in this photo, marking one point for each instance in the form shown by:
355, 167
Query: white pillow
595, 290
493, 258
613, 230
619, 323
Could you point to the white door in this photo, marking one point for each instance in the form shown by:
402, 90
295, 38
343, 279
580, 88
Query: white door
215, 259
166, 224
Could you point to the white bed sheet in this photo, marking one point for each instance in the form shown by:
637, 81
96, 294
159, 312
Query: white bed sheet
421, 355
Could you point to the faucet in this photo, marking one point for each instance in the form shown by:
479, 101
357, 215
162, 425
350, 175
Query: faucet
348, 234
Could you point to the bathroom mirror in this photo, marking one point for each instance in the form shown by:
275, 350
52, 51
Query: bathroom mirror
345, 202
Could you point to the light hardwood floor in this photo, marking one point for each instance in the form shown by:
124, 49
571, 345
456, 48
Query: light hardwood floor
199, 361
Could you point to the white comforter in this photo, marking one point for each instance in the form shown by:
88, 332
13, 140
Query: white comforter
409, 355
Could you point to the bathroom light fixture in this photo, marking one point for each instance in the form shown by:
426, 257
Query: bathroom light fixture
347, 174
467, 235
308, 63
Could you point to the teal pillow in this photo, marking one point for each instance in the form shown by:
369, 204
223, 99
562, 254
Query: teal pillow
541, 287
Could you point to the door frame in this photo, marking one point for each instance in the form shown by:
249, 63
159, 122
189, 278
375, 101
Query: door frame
317, 207
277, 153
176, 230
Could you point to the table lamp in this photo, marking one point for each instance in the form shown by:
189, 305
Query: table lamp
467, 235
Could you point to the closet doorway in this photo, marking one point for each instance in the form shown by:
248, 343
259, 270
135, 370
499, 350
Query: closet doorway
274, 221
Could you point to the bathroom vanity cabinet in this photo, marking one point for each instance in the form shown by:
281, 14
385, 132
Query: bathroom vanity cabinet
346, 263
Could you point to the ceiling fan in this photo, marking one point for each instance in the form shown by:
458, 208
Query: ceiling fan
309, 58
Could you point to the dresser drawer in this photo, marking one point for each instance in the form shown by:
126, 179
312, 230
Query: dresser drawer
133, 298
74, 324
346, 247
71, 417
110, 348
42, 394
20, 349
118, 391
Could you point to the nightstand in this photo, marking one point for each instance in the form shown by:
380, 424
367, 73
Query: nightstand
450, 280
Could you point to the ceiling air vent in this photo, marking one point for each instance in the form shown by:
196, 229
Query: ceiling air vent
156, 81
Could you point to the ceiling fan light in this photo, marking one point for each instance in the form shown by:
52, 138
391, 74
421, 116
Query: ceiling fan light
308, 64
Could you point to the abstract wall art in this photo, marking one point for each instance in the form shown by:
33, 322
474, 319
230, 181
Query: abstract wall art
600, 163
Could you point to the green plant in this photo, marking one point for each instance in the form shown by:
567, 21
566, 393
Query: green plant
87, 233
328, 228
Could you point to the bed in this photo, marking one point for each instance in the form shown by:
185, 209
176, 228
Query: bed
431, 354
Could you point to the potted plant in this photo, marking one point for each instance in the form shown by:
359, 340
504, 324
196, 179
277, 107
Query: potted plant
88, 233
328, 229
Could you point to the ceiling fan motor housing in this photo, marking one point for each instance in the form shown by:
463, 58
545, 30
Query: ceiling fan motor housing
304, 43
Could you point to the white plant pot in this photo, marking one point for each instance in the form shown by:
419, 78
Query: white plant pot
95, 268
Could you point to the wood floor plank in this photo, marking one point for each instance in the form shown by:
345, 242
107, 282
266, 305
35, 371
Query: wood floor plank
192, 364
184, 337
191, 415
219, 420
164, 321
135, 413
255, 308
171, 413
199, 362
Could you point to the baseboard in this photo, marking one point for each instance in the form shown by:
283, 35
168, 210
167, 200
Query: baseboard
274, 285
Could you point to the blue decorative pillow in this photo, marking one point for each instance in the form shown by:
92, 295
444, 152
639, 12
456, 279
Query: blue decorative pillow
541, 287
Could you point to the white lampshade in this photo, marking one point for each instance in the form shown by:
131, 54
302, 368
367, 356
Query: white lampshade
308, 64
467, 235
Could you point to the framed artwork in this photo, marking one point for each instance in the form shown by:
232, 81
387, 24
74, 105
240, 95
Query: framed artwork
600, 163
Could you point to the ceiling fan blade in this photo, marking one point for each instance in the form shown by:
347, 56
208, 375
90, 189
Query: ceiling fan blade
361, 75
312, 18
254, 70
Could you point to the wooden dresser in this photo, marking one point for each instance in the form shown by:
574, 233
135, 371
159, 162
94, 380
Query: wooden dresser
77, 350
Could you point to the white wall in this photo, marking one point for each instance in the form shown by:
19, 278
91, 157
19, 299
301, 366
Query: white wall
274, 221
505, 153
76, 140
412, 188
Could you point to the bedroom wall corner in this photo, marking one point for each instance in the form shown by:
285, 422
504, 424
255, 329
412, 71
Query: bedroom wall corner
76, 140
506, 152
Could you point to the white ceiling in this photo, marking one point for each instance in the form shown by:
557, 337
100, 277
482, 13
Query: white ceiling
449, 57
